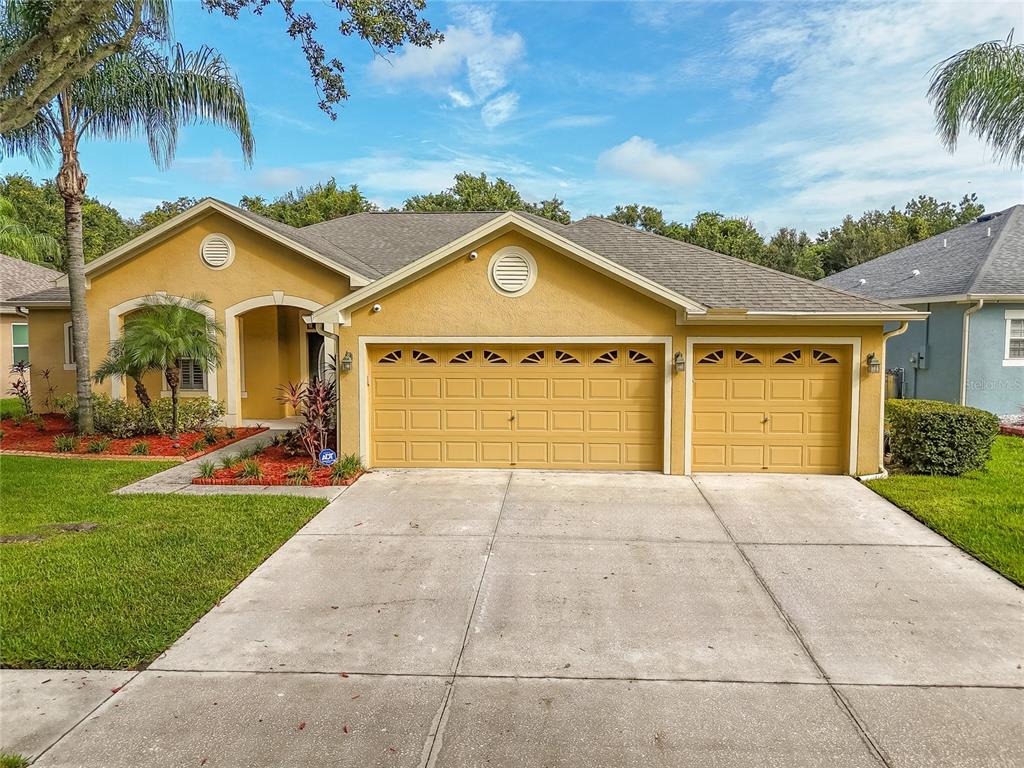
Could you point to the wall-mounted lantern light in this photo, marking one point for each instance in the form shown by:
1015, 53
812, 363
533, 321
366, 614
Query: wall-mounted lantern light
873, 363
346, 362
678, 362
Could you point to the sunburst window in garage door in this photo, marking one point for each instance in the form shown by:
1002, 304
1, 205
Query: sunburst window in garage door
712, 358
423, 358
607, 358
392, 357
533, 358
747, 358
462, 358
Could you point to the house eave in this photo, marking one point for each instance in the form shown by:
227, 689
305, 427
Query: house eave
806, 318
204, 207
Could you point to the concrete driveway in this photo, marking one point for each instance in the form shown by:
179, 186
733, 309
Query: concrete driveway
551, 619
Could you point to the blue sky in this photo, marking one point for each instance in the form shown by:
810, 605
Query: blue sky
791, 114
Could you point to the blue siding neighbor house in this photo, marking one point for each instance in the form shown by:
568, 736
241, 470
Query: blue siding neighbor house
970, 350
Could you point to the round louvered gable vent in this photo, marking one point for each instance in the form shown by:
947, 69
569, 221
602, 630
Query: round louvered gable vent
217, 251
513, 271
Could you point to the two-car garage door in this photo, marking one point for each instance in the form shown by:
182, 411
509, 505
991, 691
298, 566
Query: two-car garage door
596, 406
754, 408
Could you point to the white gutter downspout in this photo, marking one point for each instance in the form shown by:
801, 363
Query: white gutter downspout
966, 341
883, 473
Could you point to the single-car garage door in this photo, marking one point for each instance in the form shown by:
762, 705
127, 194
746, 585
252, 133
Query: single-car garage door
533, 406
771, 408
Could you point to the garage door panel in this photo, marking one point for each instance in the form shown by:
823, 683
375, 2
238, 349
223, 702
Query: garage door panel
748, 389
746, 422
529, 406
460, 420
778, 409
429, 419
454, 389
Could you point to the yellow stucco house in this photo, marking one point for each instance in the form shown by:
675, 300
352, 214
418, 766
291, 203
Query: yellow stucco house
498, 339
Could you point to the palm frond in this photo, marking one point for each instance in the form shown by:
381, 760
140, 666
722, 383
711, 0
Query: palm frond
982, 90
166, 329
144, 92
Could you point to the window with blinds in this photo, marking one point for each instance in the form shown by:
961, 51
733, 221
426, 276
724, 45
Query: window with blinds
192, 374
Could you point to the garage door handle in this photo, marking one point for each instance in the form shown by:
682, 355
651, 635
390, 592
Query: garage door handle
512, 417
764, 420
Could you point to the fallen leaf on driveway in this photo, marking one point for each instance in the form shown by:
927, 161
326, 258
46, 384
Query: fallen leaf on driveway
345, 728
343, 674
302, 725
115, 690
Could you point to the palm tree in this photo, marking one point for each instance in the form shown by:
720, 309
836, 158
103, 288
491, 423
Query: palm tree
151, 89
18, 240
118, 363
982, 88
165, 331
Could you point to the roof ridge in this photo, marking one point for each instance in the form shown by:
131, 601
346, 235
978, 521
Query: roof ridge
761, 267
982, 269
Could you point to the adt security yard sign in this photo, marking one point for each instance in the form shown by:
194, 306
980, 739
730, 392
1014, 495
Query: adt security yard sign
328, 457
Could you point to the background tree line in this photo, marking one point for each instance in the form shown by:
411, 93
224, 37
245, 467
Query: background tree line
851, 242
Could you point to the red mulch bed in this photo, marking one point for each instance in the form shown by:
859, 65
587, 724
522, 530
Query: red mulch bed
27, 437
1017, 430
275, 464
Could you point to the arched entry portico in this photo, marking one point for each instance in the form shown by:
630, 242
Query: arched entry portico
276, 323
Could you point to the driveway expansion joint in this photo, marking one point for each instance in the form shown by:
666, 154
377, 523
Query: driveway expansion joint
874, 748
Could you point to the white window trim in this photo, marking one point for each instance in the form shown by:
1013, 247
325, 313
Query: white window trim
14, 346
1011, 362
68, 351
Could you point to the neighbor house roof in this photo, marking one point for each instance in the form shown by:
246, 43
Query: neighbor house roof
981, 259
19, 277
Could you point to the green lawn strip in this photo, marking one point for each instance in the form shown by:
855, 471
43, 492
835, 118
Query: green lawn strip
981, 512
117, 596
10, 407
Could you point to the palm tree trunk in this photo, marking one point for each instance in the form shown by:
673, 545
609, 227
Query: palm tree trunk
173, 376
143, 394
71, 186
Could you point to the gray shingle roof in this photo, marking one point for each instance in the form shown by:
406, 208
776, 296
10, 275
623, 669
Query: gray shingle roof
55, 295
387, 241
983, 257
710, 278
18, 277
331, 249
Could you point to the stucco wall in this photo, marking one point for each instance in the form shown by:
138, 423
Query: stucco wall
46, 347
260, 268
991, 384
569, 299
941, 334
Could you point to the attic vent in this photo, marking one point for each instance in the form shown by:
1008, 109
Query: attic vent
217, 251
512, 271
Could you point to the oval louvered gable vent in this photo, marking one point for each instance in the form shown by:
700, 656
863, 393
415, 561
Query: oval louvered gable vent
217, 251
513, 271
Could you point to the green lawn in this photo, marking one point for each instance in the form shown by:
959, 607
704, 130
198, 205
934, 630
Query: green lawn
117, 596
10, 406
981, 512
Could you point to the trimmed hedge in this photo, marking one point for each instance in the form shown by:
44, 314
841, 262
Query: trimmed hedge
929, 437
120, 418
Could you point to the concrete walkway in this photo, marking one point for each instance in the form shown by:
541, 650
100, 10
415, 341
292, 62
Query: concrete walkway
606, 620
178, 479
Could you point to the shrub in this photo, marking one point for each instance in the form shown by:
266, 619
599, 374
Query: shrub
99, 445
251, 470
38, 421
346, 467
207, 468
298, 475
139, 449
231, 434
20, 386
119, 418
64, 443
314, 402
198, 446
1, 434
210, 436
229, 460
929, 437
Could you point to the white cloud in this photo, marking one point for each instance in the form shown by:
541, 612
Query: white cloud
469, 66
847, 125
500, 109
641, 159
